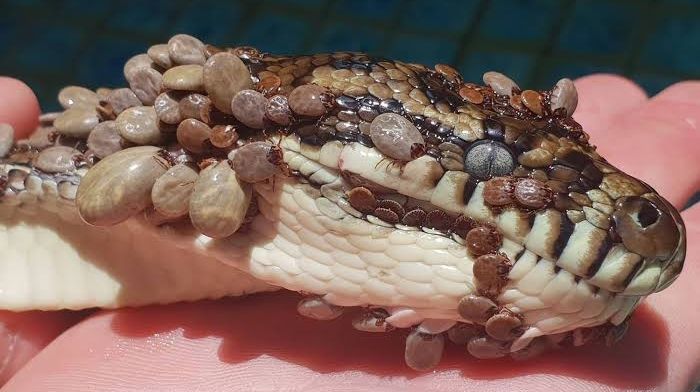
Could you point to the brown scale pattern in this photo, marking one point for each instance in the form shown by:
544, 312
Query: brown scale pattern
450, 114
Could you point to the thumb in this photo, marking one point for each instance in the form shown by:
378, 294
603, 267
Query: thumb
18, 106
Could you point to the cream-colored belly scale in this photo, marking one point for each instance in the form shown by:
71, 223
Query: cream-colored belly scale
55, 261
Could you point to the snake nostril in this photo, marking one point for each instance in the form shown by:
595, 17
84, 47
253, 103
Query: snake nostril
646, 227
647, 215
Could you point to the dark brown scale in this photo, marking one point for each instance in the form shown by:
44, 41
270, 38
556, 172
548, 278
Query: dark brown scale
469, 188
560, 187
577, 186
431, 138
347, 127
566, 228
563, 202
494, 130
345, 115
458, 141
525, 142
391, 105
367, 113
355, 180
418, 150
572, 158
365, 140
563, 173
588, 183
600, 256
347, 102
167, 156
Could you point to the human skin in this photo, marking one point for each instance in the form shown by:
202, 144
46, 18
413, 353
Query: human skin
259, 343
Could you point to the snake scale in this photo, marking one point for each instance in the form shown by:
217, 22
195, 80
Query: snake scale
476, 213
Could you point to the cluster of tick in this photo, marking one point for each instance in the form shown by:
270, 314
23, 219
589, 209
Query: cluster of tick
482, 241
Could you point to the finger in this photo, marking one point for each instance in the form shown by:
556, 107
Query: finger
678, 304
602, 97
682, 92
23, 335
655, 140
260, 343
18, 106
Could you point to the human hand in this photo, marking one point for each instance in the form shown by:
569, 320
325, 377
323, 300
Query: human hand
260, 343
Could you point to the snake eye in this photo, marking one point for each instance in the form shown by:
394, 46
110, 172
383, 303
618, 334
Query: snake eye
487, 159
645, 227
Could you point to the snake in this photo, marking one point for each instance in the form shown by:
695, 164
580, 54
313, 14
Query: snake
478, 214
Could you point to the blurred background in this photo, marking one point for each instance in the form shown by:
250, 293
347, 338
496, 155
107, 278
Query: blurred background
50, 44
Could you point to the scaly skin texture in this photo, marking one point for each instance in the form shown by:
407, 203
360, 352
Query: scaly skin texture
212, 333
577, 246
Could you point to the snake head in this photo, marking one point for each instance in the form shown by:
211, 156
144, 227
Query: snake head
481, 212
